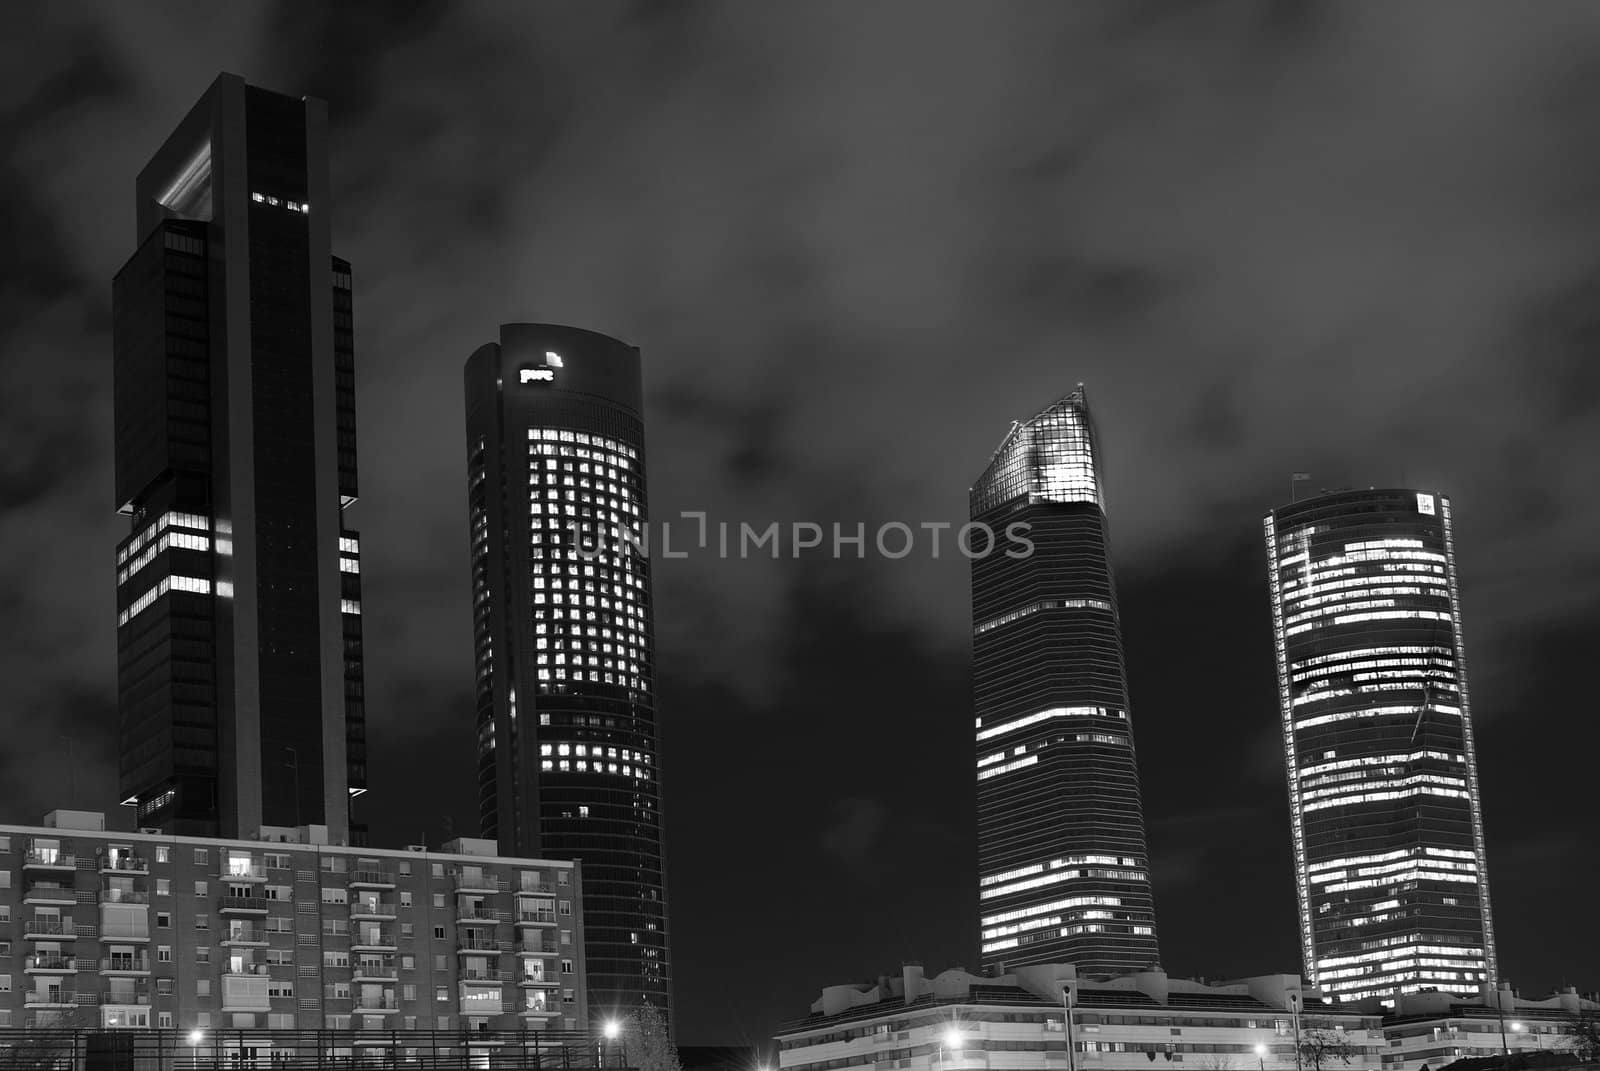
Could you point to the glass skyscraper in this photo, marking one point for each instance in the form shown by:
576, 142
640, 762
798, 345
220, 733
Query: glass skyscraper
1063, 866
1377, 739
568, 764
239, 661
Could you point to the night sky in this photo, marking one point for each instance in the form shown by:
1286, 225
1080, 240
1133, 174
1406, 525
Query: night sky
854, 241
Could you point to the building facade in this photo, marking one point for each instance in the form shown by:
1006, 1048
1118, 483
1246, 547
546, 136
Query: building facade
239, 660
1063, 867
1377, 738
154, 931
1433, 1030
567, 738
958, 1021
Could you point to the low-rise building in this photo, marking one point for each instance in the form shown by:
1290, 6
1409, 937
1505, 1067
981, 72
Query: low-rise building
101, 929
1430, 1030
958, 1021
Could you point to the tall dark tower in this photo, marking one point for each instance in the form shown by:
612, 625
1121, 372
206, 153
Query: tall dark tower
567, 745
1377, 737
239, 661
1063, 868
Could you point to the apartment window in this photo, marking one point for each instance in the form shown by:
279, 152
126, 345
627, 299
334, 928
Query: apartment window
439, 963
563, 877
164, 1020
408, 930
5, 912
163, 920
405, 899
202, 1019
273, 861
201, 856
442, 1022
411, 1022
163, 886
5, 949
440, 993
438, 870
336, 959
566, 966
408, 963
5, 879
5, 845
200, 888
564, 907
202, 987
202, 922
164, 986
566, 937
163, 854
202, 954
5, 983
334, 896
438, 933
438, 900
408, 992
567, 997
163, 953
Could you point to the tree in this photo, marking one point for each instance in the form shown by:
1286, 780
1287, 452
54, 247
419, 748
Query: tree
1321, 1049
1582, 1036
649, 1046
1216, 1062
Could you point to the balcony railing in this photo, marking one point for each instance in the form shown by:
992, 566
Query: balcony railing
239, 870
51, 964
35, 998
245, 903
382, 909
536, 918
479, 883
125, 965
483, 974
373, 971
372, 938
46, 926
124, 896
246, 970
244, 935
536, 979
49, 859
467, 943
386, 1003
384, 878
534, 948
478, 914
125, 999
125, 863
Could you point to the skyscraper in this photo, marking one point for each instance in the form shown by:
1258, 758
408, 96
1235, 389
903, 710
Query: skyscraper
239, 660
1063, 867
1377, 738
565, 693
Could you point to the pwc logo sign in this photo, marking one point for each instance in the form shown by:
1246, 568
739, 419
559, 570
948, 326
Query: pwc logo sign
545, 373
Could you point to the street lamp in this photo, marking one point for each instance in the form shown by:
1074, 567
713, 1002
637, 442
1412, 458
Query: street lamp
609, 1032
1261, 1057
195, 1038
950, 1039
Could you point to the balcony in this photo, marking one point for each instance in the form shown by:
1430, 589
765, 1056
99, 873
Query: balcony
125, 965
481, 998
540, 1007
113, 895
51, 964
373, 939
536, 918
123, 863
470, 882
468, 942
371, 879
48, 859
50, 892
385, 1003
242, 870
486, 975
529, 979
47, 926
244, 937
244, 905
534, 948
372, 909
54, 997
245, 970
369, 971
125, 1000
478, 916
246, 993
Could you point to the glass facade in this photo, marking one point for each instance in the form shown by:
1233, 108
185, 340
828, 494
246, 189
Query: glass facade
1377, 734
1063, 865
566, 723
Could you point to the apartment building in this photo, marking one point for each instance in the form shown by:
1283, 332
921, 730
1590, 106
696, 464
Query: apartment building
103, 929
1430, 1030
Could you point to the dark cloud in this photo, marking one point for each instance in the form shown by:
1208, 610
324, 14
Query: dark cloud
855, 242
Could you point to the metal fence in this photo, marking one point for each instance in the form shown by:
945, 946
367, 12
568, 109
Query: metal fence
311, 1050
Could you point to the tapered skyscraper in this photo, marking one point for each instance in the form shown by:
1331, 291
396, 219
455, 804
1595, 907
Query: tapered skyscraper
1063, 868
568, 763
1377, 737
239, 661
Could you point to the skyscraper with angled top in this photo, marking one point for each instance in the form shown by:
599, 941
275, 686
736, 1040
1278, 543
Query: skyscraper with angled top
568, 756
1377, 739
239, 661
1063, 867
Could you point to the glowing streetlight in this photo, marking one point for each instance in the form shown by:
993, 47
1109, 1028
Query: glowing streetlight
195, 1038
612, 1029
1261, 1057
950, 1039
